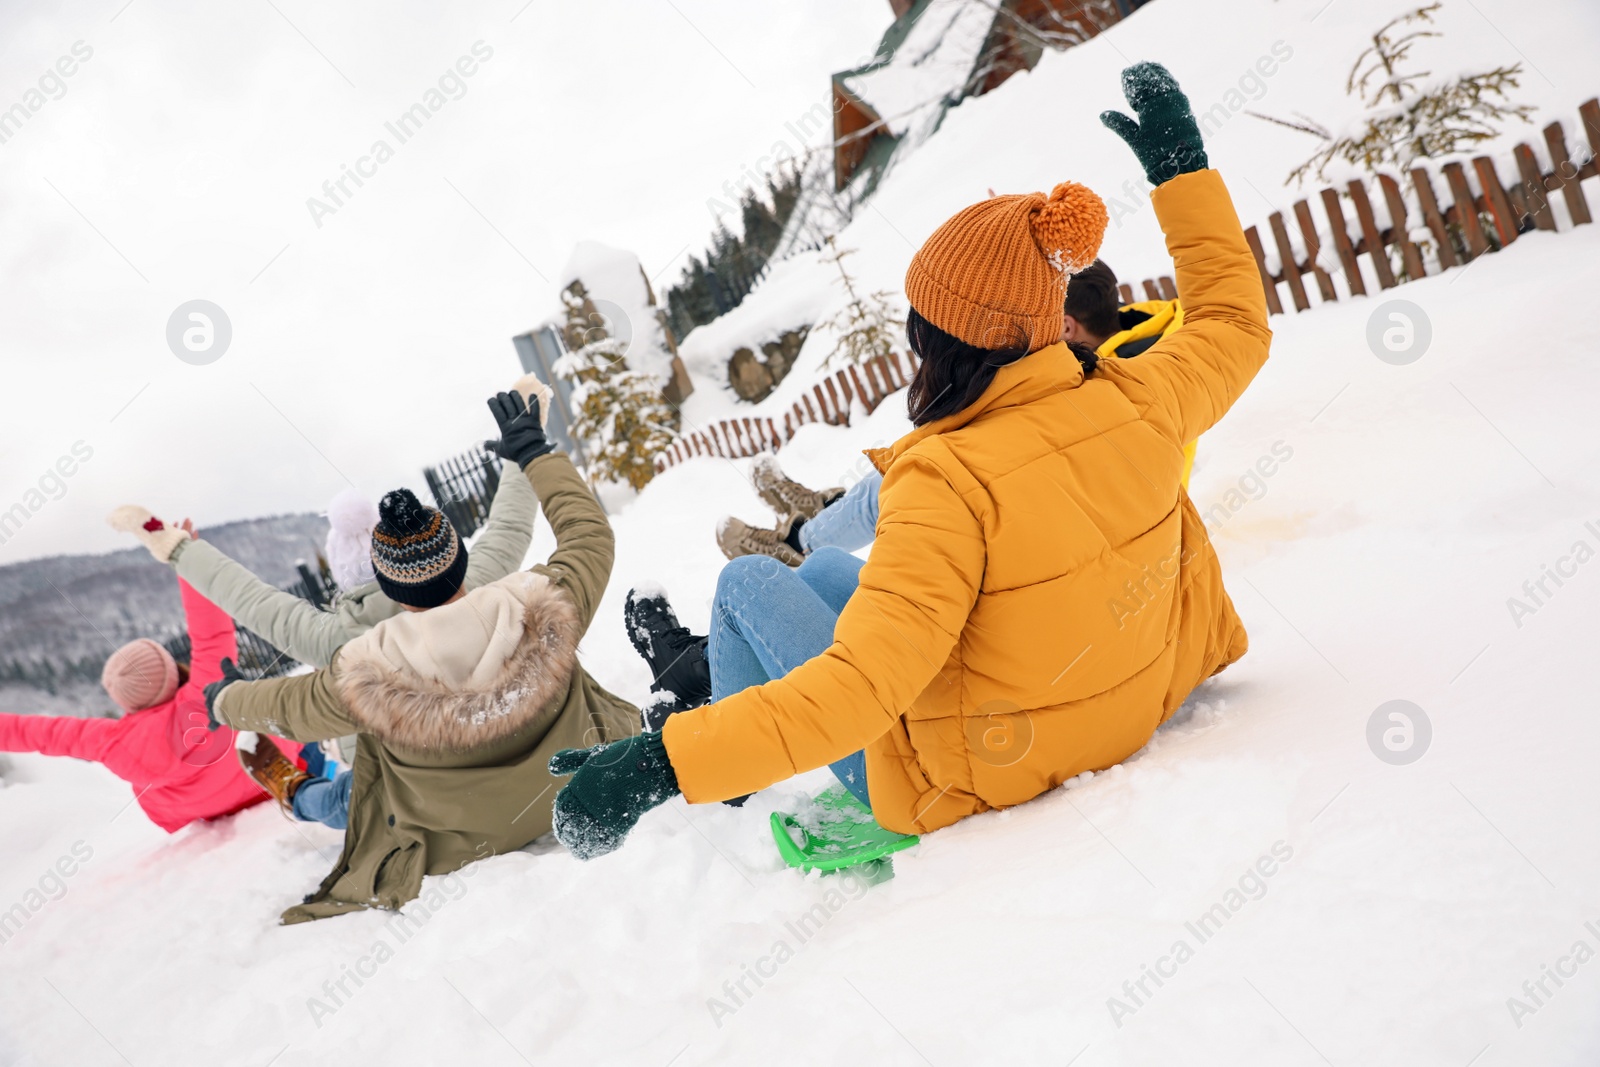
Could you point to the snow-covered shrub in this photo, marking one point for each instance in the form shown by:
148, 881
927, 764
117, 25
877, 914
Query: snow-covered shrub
620, 417
1408, 116
867, 326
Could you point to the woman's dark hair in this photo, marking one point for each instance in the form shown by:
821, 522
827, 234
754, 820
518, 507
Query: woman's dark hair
954, 374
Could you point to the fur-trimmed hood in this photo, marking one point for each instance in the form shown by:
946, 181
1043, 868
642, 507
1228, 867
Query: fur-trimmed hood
467, 674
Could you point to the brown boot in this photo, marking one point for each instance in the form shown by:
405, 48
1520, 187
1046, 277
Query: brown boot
737, 538
784, 495
271, 770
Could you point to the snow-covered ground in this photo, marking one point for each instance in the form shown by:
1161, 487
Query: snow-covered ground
1297, 898
1404, 905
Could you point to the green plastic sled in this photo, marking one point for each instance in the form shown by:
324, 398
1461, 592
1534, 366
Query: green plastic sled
837, 832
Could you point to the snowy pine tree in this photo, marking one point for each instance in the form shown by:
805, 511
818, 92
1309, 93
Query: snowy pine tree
1408, 117
866, 326
620, 416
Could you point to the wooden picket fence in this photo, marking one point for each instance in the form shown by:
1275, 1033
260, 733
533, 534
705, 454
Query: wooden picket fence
1484, 215
829, 401
1162, 288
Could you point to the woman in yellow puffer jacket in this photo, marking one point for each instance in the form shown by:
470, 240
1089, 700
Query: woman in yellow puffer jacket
1041, 594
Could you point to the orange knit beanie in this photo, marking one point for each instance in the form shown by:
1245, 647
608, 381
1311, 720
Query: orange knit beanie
995, 275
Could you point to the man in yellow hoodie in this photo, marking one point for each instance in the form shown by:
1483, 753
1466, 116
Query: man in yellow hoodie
1042, 593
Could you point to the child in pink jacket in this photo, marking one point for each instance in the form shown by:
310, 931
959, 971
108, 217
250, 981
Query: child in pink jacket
180, 770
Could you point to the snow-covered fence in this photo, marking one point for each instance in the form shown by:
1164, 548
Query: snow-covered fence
1484, 215
829, 401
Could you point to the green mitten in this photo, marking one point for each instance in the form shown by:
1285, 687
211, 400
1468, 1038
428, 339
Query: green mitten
612, 787
1166, 138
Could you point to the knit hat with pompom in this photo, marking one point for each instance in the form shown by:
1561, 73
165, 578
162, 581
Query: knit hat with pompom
995, 274
419, 560
351, 518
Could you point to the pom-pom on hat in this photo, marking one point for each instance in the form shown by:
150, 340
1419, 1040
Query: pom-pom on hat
140, 674
351, 518
418, 559
995, 274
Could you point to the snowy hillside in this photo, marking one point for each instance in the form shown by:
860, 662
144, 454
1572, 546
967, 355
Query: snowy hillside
1275, 57
1407, 903
1266, 883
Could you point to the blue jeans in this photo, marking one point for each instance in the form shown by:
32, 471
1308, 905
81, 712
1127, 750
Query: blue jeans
324, 800
767, 619
851, 522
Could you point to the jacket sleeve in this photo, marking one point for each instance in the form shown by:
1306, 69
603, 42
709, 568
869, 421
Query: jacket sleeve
585, 546
301, 707
502, 546
211, 637
292, 625
890, 643
1190, 378
58, 735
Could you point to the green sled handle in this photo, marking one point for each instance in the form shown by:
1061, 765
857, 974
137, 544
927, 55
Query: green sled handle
852, 840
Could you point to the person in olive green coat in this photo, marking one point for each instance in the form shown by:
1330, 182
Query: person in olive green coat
457, 709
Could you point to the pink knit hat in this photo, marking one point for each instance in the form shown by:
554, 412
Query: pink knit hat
140, 674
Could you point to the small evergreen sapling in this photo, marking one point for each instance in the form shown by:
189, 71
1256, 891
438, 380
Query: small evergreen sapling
1409, 117
866, 326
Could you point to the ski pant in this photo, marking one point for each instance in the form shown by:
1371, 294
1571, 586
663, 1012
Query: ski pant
767, 619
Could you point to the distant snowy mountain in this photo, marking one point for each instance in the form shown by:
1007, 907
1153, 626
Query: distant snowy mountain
60, 616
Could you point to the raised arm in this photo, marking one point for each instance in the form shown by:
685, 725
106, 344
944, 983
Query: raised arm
211, 636
503, 544
289, 623
585, 546
1189, 379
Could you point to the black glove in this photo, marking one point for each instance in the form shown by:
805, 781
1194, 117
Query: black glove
1166, 138
612, 787
522, 439
230, 674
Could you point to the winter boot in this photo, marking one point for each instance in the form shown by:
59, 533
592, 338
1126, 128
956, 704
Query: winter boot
660, 707
784, 495
676, 657
271, 770
738, 538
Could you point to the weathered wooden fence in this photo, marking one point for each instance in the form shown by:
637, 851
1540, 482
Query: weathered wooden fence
829, 401
1484, 214
1162, 288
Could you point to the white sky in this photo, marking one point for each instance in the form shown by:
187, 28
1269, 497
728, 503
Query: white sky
177, 162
